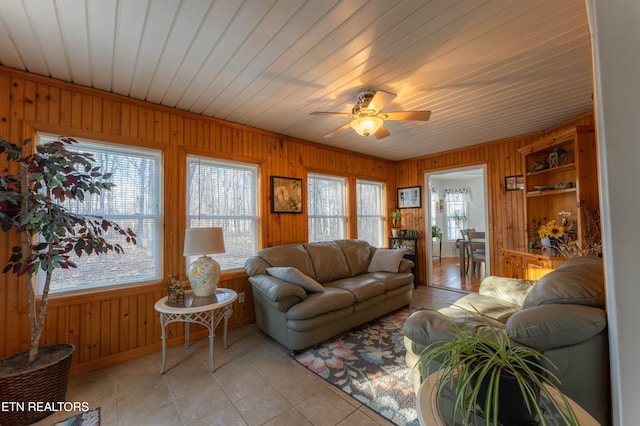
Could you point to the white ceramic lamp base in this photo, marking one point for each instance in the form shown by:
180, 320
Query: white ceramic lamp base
204, 276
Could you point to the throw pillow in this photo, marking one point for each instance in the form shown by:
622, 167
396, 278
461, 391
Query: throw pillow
386, 260
294, 276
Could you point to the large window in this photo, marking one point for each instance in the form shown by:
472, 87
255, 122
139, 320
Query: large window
224, 194
327, 213
370, 212
134, 202
456, 203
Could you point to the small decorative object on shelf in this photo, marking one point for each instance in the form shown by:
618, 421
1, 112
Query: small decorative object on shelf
563, 185
540, 165
558, 157
396, 222
175, 289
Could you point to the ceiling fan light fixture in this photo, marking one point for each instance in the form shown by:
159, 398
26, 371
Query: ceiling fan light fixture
366, 126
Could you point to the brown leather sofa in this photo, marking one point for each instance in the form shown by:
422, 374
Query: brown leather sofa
339, 288
562, 315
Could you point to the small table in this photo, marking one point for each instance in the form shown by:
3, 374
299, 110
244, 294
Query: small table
429, 412
208, 311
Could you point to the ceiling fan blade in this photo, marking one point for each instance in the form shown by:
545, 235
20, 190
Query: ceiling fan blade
341, 114
408, 115
380, 99
381, 133
338, 130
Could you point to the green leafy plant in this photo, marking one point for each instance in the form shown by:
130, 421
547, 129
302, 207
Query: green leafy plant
474, 357
32, 203
436, 232
396, 218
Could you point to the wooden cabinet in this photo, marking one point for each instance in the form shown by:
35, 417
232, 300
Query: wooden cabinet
527, 264
561, 181
410, 246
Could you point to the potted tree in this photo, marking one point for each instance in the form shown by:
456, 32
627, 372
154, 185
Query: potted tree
396, 222
481, 368
32, 202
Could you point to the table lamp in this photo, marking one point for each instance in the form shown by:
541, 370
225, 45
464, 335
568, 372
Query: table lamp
204, 273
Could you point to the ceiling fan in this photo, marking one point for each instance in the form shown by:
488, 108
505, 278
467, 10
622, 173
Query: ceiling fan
367, 115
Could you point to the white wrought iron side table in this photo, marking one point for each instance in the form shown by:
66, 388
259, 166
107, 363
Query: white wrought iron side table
208, 311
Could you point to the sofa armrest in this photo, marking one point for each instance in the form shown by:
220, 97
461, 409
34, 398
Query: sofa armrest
426, 327
552, 326
512, 290
406, 265
276, 289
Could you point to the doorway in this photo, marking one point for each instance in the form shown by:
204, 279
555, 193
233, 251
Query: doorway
455, 199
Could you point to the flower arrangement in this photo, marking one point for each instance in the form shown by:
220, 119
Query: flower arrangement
175, 289
552, 230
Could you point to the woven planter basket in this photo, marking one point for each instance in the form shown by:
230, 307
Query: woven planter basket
46, 383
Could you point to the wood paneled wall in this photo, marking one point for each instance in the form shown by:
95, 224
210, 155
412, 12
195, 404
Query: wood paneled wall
506, 209
112, 325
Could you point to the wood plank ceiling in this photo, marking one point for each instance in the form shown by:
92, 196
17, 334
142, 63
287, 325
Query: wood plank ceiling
486, 69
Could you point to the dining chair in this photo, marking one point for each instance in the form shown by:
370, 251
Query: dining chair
466, 246
477, 249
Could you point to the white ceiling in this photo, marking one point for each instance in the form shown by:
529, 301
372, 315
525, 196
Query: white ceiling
486, 69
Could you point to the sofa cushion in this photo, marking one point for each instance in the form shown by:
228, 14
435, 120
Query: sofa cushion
386, 260
474, 304
289, 255
293, 275
332, 299
392, 281
511, 290
362, 287
579, 280
358, 254
329, 262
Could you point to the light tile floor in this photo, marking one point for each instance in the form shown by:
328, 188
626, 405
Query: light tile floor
255, 383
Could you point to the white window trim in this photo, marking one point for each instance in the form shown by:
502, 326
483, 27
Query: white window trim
380, 215
255, 218
311, 215
157, 217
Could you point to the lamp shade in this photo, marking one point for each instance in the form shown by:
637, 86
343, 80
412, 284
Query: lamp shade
203, 241
366, 126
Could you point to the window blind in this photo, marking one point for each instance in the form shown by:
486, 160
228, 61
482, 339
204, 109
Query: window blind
135, 202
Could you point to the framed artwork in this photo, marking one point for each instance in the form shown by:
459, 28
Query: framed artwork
286, 195
410, 197
514, 183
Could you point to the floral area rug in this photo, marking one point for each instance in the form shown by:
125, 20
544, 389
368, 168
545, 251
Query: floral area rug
368, 363
88, 418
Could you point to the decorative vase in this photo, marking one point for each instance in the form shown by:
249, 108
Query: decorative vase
512, 408
547, 245
204, 276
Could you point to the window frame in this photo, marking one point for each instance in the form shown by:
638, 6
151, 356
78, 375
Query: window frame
453, 229
380, 216
311, 214
215, 219
157, 218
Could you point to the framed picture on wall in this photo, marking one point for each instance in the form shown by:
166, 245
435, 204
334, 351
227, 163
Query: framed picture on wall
410, 197
286, 195
514, 183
